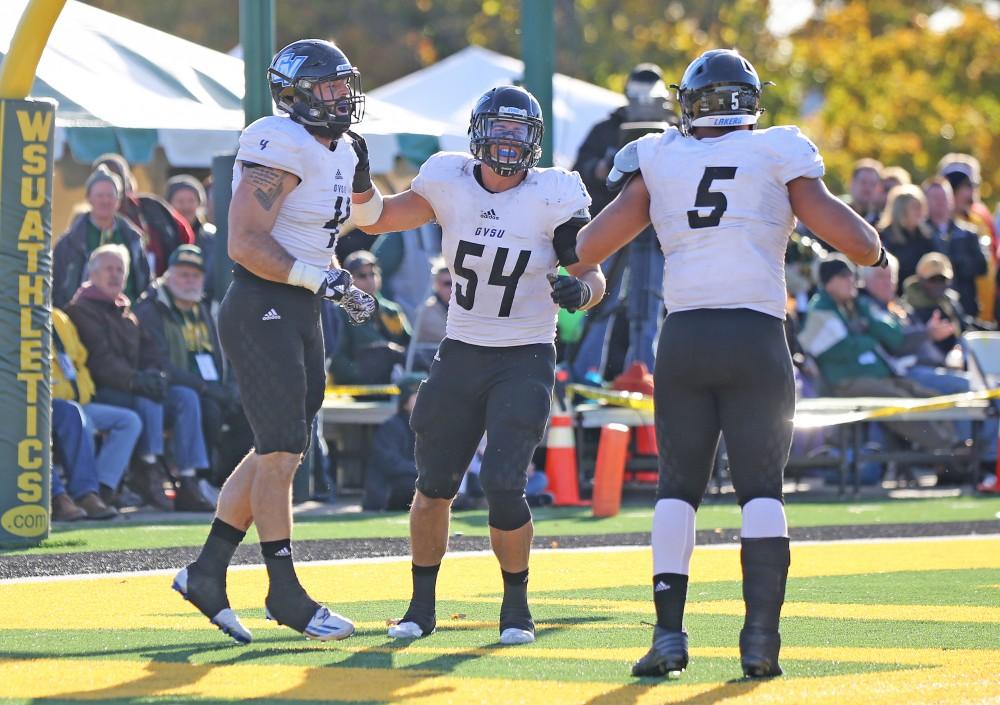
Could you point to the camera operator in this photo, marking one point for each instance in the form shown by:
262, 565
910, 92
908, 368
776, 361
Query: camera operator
649, 109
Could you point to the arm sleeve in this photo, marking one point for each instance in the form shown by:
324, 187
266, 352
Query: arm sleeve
564, 238
266, 144
796, 155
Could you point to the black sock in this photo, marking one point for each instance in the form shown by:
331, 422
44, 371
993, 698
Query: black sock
422, 605
219, 548
765, 571
206, 584
669, 596
286, 600
514, 612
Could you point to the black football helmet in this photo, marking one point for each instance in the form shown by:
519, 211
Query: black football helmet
298, 68
507, 151
719, 89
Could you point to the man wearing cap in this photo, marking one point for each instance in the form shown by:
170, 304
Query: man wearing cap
849, 337
930, 290
176, 318
649, 109
187, 196
963, 173
103, 225
367, 353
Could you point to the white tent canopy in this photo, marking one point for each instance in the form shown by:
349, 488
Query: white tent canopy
126, 87
447, 92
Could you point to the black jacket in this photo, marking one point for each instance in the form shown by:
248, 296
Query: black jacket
602, 142
961, 246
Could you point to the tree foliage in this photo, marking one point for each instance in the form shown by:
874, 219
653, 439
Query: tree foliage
871, 76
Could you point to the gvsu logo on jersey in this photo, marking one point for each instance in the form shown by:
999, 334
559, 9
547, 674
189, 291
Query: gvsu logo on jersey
490, 232
288, 65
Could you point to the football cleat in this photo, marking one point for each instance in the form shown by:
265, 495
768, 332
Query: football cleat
759, 653
513, 636
226, 620
668, 655
408, 630
324, 625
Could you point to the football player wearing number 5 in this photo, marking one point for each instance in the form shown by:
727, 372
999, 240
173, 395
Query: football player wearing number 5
292, 187
506, 225
723, 198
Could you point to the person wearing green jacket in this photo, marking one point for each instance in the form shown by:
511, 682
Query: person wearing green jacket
848, 337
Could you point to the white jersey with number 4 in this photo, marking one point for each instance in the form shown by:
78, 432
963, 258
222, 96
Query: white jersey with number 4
499, 248
721, 212
312, 213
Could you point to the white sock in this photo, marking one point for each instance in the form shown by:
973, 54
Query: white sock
764, 518
673, 536
148, 458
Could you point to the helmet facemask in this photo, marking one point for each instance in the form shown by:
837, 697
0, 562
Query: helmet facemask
506, 142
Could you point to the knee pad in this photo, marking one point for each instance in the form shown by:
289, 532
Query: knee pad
764, 517
509, 510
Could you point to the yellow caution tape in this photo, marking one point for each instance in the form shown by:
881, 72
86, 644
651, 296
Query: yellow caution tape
641, 402
361, 390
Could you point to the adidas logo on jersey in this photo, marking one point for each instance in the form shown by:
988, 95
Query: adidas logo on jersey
271, 315
489, 215
339, 175
661, 586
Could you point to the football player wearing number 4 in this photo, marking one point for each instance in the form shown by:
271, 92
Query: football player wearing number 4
292, 187
506, 227
723, 198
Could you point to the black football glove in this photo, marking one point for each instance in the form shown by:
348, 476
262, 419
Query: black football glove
571, 293
883, 259
338, 281
362, 172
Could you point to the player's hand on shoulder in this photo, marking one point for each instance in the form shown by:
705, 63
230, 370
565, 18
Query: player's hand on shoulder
569, 292
362, 172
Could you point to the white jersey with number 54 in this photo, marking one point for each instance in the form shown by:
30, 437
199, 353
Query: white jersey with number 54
721, 212
499, 248
312, 213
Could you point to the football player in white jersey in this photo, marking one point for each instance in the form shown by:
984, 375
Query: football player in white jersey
723, 198
506, 227
292, 188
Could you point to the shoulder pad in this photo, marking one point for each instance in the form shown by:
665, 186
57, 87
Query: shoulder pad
626, 164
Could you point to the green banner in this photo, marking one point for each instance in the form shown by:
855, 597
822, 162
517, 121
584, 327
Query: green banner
27, 128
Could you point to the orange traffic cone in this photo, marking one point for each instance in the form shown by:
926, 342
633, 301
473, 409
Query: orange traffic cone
560, 460
610, 470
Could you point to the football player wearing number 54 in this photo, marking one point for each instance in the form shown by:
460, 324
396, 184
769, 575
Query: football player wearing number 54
723, 198
506, 227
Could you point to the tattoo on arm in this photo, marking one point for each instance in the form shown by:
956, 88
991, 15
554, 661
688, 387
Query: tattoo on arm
267, 184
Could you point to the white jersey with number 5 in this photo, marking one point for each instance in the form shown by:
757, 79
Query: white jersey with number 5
312, 213
721, 212
499, 248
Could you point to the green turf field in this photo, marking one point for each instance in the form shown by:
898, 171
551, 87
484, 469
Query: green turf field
144, 533
907, 621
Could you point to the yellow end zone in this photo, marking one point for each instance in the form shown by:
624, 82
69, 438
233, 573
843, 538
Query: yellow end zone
921, 675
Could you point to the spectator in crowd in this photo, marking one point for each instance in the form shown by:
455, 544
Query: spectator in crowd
960, 246
187, 196
404, 259
892, 176
849, 337
866, 194
903, 227
392, 471
101, 226
173, 313
165, 229
367, 353
74, 451
120, 427
963, 173
648, 109
432, 317
129, 371
929, 293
